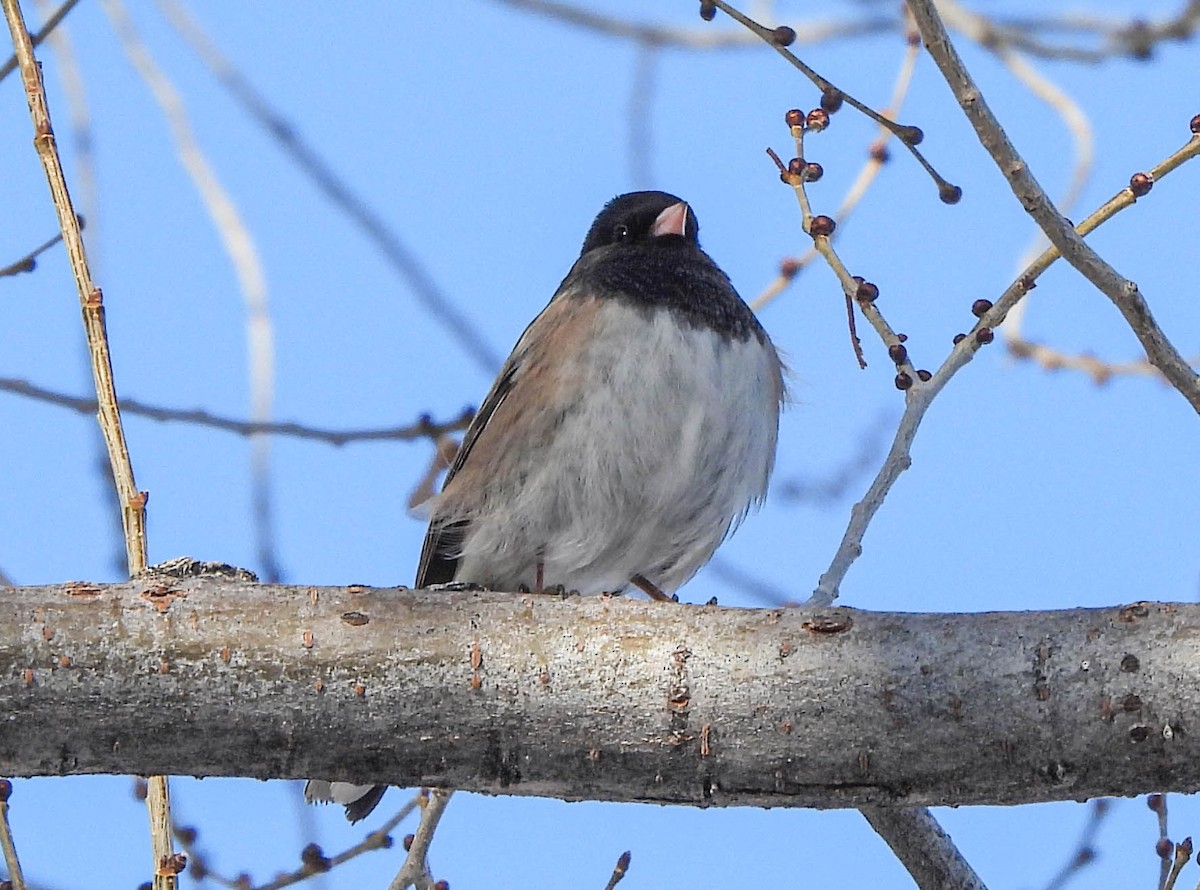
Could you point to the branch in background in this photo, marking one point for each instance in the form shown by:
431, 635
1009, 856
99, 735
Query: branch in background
693, 38
1123, 293
424, 428
10, 64
834, 485
242, 251
401, 257
642, 90
28, 262
1135, 37
1085, 850
312, 860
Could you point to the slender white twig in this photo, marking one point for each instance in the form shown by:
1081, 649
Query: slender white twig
243, 254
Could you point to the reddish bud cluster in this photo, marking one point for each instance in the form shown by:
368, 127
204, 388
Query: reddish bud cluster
898, 353
903, 381
812, 172
980, 308
983, 336
783, 36
924, 375
794, 117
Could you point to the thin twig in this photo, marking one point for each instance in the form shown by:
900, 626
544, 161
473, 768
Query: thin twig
1158, 806
876, 158
1183, 855
28, 262
242, 251
1085, 850
1133, 37
162, 843
11, 861
424, 428
1123, 293
908, 135
91, 300
696, 37
618, 871
401, 257
378, 839
415, 871
10, 64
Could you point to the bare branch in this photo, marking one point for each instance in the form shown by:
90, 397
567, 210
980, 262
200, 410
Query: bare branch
415, 871
698, 37
401, 257
425, 428
924, 848
133, 502
1123, 293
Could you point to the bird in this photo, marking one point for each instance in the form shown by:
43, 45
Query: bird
632, 428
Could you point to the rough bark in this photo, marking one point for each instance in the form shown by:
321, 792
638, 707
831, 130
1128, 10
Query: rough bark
597, 698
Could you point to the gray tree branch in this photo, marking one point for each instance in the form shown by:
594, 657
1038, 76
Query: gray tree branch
598, 698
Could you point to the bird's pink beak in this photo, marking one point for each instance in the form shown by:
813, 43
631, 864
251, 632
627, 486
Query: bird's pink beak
672, 221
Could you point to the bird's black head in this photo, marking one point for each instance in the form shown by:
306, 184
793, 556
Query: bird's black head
642, 250
639, 217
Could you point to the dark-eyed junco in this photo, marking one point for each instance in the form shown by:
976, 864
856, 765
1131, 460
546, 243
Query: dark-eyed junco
632, 427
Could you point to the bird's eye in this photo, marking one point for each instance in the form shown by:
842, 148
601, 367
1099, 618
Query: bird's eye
620, 232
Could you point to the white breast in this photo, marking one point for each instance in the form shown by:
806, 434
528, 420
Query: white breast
674, 442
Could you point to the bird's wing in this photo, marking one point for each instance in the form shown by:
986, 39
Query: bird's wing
518, 410
439, 559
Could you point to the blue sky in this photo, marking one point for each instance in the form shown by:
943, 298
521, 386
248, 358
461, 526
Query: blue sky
487, 138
